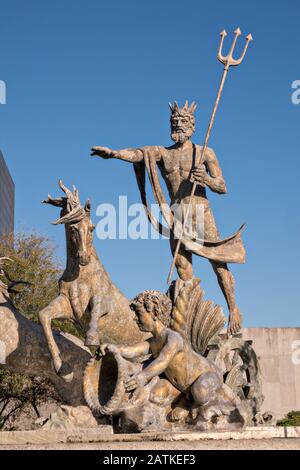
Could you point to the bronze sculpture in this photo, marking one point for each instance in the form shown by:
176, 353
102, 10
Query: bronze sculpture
176, 166
187, 169
107, 380
227, 61
86, 292
186, 348
183, 371
161, 360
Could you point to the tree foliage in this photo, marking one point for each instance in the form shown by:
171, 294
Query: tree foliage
291, 419
34, 261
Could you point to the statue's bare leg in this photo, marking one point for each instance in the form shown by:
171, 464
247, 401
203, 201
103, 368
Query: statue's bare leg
224, 276
100, 307
226, 282
163, 393
58, 308
183, 261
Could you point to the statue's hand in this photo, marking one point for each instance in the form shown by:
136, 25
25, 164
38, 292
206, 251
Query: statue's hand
108, 347
137, 381
199, 175
104, 152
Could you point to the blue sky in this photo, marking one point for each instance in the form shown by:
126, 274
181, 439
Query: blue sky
102, 72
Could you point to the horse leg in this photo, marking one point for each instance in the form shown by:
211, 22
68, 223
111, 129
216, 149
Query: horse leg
99, 306
58, 308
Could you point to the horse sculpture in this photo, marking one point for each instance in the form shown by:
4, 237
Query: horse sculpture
87, 295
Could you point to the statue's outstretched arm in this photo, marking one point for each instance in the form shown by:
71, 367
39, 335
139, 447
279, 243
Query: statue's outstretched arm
128, 155
131, 155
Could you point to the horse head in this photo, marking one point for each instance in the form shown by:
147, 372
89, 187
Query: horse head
77, 220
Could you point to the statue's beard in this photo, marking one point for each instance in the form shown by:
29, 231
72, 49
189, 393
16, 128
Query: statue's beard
179, 137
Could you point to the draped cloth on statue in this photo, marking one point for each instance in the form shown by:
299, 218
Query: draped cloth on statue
228, 250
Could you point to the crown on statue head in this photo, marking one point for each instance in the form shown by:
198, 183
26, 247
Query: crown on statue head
186, 110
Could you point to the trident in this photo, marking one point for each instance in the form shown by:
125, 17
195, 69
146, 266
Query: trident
228, 61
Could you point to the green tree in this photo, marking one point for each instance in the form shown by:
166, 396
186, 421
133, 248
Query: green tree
34, 261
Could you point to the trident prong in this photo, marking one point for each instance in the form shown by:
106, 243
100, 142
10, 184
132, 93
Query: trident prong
229, 60
222, 34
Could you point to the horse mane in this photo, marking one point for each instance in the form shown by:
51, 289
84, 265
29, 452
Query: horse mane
71, 208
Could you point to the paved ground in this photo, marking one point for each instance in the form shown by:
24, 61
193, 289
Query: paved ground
263, 444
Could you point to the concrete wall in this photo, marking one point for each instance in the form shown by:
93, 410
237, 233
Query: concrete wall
279, 350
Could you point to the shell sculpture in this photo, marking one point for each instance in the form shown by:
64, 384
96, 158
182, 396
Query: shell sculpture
196, 319
103, 385
113, 376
